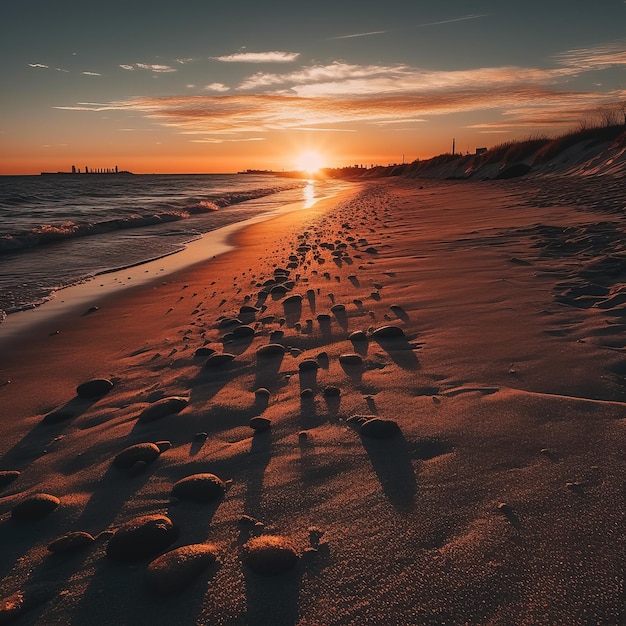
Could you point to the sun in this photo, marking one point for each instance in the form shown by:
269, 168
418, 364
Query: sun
309, 161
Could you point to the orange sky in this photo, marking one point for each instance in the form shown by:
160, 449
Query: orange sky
206, 87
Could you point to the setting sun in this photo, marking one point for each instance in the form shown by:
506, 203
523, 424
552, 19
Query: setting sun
310, 162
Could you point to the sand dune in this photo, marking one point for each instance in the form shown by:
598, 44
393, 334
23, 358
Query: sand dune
404, 405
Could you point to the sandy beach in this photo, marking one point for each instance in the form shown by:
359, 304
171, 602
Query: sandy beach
434, 436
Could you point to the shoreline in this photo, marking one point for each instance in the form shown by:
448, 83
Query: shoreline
110, 283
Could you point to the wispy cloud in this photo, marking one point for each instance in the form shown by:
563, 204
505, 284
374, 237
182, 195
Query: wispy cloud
594, 58
39, 65
464, 18
369, 34
151, 67
334, 96
220, 87
274, 56
91, 73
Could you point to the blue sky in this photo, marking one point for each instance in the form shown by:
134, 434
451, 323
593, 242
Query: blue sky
221, 86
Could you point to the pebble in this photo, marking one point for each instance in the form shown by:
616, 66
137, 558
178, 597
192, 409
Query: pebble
7, 477
177, 569
163, 407
271, 350
94, 388
146, 452
350, 359
379, 428
199, 488
388, 332
204, 352
219, 360
141, 537
308, 365
332, 392
260, 424
270, 554
34, 507
71, 542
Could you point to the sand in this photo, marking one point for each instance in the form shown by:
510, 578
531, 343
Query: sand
464, 466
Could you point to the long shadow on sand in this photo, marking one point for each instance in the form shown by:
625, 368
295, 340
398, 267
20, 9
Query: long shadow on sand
258, 459
43, 434
391, 460
400, 352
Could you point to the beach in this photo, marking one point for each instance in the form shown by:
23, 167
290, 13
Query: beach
434, 435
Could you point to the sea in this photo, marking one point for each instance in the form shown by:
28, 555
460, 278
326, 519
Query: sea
57, 231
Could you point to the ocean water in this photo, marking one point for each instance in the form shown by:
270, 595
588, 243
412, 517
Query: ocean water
60, 230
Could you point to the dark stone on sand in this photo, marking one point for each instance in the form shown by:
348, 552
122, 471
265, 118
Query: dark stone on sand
216, 361
388, 332
379, 428
270, 350
279, 290
229, 322
94, 388
260, 424
146, 452
243, 332
323, 318
34, 507
71, 542
163, 445
351, 359
177, 569
338, 308
308, 365
163, 407
262, 393
293, 300
7, 477
199, 488
141, 537
56, 417
332, 392
371, 250
307, 393
248, 310
204, 352
270, 554
357, 336
201, 436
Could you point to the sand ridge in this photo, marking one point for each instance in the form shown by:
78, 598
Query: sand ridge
487, 488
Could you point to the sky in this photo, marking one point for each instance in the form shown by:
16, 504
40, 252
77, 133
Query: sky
218, 86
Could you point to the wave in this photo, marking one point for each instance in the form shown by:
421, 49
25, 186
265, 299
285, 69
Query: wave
159, 214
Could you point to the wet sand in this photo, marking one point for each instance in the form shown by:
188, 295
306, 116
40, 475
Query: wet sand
434, 436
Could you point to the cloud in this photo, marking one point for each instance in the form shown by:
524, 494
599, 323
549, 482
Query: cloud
593, 58
217, 87
473, 16
149, 67
91, 73
40, 65
373, 32
326, 97
259, 57
219, 140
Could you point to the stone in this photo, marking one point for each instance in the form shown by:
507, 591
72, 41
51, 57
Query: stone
270, 554
350, 359
94, 388
260, 424
141, 537
146, 452
388, 332
379, 428
34, 507
199, 488
219, 360
71, 542
177, 569
7, 477
163, 407
271, 350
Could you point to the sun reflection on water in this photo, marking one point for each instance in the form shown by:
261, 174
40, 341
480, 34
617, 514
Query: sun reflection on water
309, 194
